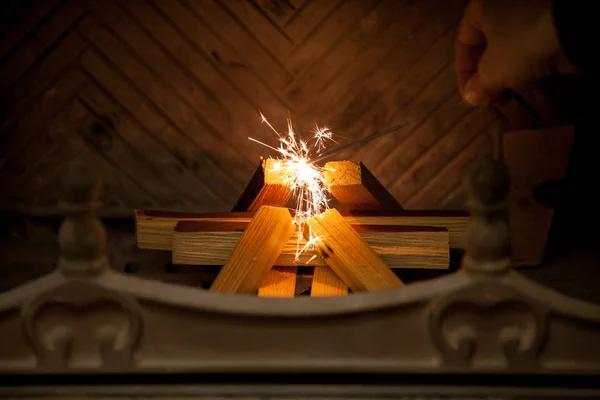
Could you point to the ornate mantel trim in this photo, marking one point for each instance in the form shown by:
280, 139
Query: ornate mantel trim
484, 318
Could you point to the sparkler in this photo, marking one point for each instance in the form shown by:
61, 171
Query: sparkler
301, 174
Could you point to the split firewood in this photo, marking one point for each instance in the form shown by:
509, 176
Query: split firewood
349, 256
326, 283
211, 243
154, 229
266, 188
356, 188
256, 252
279, 282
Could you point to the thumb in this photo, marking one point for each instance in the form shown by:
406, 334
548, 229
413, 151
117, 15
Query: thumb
478, 92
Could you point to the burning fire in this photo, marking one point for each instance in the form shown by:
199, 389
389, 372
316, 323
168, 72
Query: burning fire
303, 176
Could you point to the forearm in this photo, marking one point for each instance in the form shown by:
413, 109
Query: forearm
573, 21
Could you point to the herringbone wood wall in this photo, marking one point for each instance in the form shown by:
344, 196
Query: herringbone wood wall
160, 96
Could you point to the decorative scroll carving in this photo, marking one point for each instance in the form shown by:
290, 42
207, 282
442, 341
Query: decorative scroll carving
54, 341
82, 241
518, 326
488, 252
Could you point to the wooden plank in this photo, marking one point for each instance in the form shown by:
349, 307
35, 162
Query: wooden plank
155, 228
45, 188
131, 149
211, 243
394, 153
158, 160
258, 25
445, 190
57, 145
29, 52
102, 134
278, 11
119, 190
389, 14
415, 30
348, 255
338, 24
436, 152
21, 135
172, 107
267, 187
533, 157
208, 52
309, 16
39, 76
326, 283
183, 148
421, 52
369, 110
193, 92
256, 252
218, 19
197, 77
17, 28
279, 282
353, 185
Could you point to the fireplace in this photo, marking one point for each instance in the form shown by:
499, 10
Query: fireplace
86, 318
115, 113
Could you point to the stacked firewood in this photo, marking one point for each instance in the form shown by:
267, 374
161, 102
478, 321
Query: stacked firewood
257, 244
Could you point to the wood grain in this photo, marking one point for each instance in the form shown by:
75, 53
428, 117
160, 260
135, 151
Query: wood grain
355, 187
348, 255
268, 187
279, 282
326, 283
256, 251
154, 229
211, 243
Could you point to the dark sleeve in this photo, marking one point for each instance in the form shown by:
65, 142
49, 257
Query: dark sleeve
573, 21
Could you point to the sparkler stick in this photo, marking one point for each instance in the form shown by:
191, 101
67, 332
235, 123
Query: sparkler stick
359, 142
376, 135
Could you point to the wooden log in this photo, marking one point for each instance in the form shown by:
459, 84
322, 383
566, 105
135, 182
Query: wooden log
211, 243
154, 229
356, 188
350, 257
266, 188
256, 251
279, 282
326, 283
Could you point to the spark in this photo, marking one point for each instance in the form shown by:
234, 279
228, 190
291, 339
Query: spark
322, 135
302, 176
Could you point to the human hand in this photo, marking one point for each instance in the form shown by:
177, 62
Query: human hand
506, 45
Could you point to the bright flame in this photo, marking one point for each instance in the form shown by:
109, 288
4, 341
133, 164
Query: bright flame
303, 176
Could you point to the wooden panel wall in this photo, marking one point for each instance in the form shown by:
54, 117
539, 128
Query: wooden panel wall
161, 95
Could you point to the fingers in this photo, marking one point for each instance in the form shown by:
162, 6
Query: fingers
469, 45
473, 61
491, 81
